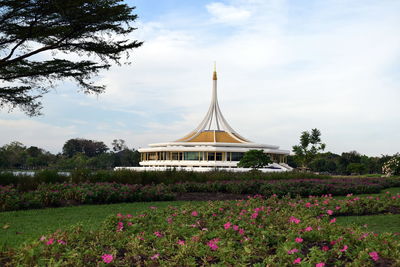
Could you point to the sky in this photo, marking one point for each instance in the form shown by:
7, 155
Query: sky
283, 67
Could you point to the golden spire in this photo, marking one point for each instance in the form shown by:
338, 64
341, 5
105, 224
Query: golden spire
215, 71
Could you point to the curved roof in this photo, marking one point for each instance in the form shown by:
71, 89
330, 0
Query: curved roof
214, 128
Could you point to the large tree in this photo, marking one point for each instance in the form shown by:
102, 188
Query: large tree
43, 41
88, 148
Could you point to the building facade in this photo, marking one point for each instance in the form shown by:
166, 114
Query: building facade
212, 145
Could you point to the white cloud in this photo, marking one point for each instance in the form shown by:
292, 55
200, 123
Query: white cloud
227, 13
34, 133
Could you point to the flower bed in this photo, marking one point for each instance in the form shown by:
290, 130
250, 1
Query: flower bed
256, 232
65, 194
56, 195
302, 187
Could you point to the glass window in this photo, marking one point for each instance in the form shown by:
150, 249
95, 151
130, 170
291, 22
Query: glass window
174, 155
237, 156
218, 156
191, 155
152, 155
228, 156
211, 156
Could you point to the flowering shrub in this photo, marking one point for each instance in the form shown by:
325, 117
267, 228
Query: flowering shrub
392, 166
55, 195
252, 232
302, 187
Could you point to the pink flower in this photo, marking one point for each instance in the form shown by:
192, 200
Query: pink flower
333, 220
120, 226
308, 229
155, 256
321, 264
345, 247
158, 234
330, 212
297, 261
181, 242
374, 255
119, 215
235, 227
194, 213
107, 258
292, 251
294, 220
298, 240
153, 208
227, 225
241, 231
254, 215
42, 238
213, 244
337, 208
51, 241
129, 216
308, 204
61, 242
325, 248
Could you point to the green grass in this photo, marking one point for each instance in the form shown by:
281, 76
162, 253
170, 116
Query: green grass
17, 227
374, 223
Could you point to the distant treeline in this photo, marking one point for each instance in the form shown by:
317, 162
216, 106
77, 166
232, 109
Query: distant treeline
345, 164
88, 154
76, 154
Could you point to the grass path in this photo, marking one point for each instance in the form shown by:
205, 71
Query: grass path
17, 227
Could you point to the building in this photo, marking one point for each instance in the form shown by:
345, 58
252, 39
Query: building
212, 145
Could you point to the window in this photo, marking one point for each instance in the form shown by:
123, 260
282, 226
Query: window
191, 156
211, 156
237, 156
228, 156
174, 155
218, 156
152, 155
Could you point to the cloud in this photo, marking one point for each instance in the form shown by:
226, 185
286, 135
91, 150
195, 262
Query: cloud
33, 133
227, 13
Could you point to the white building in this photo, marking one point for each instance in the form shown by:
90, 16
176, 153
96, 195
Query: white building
212, 145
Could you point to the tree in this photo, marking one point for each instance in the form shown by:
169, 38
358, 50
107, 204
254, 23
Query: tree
254, 159
118, 145
93, 32
89, 148
310, 145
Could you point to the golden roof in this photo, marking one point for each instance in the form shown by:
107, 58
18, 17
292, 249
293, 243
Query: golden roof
211, 137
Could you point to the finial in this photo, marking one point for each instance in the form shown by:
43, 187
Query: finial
215, 71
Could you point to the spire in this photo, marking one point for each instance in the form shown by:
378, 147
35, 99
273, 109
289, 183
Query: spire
214, 121
215, 71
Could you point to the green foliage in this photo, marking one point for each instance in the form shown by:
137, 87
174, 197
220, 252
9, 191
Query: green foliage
94, 32
310, 145
254, 159
89, 148
356, 168
267, 232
